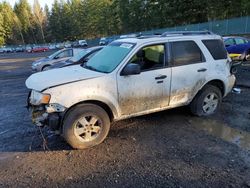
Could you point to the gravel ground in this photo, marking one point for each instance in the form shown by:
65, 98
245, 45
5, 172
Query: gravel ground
166, 149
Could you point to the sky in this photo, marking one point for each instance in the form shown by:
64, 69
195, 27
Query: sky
42, 2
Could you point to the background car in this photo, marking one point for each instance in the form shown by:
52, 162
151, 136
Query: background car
236, 46
59, 46
2, 50
105, 41
39, 49
52, 47
8, 50
83, 56
19, 49
68, 45
102, 41
44, 63
80, 43
28, 49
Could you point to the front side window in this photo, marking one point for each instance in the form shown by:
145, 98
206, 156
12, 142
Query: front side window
185, 53
65, 53
150, 57
109, 57
78, 56
216, 48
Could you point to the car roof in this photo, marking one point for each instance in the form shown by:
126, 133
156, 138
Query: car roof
142, 40
77, 50
95, 48
228, 37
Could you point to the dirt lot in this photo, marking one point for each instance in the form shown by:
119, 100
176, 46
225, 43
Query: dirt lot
166, 149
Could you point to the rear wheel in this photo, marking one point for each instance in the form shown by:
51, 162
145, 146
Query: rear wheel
207, 101
85, 126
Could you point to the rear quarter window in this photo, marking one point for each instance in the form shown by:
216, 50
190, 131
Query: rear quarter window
216, 48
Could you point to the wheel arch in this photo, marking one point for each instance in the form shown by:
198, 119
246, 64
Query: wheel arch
101, 104
44, 66
218, 83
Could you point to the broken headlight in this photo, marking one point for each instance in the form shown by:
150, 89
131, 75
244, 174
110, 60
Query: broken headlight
37, 98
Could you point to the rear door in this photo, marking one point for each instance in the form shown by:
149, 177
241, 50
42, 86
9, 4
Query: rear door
189, 71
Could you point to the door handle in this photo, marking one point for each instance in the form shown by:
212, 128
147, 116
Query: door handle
202, 70
160, 77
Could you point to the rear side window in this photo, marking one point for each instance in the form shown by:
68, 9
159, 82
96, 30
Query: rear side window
216, 48
186, 52
239, 41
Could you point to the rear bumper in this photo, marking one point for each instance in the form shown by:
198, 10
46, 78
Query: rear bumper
230, 85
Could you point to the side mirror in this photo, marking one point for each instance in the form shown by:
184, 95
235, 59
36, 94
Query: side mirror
131, 69
85, 60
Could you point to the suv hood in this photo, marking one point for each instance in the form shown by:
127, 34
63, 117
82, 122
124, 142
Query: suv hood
42, 80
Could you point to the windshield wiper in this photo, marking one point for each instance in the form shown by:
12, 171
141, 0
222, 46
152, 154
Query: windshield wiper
91, 68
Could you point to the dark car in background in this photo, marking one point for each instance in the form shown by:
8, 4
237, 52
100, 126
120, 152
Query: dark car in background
83, 56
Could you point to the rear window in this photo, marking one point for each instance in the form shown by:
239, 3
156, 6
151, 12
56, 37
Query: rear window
216, 48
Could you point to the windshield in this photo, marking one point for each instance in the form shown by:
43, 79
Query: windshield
109, 57
79, 56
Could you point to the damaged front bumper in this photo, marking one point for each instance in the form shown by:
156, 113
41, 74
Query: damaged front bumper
47, 115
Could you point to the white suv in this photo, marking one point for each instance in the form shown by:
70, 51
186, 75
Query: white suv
132, 77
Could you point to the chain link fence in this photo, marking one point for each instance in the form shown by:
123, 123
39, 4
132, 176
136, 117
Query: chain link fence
234, 26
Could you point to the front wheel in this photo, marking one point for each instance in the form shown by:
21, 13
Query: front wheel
86, 125
207, 101
46, 67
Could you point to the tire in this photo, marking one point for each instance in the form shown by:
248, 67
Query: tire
45, 68
203, 104
85, 126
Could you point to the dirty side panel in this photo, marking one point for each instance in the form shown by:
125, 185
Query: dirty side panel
186, 82
141, 93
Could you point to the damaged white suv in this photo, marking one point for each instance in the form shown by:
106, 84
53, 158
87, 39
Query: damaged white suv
132, 77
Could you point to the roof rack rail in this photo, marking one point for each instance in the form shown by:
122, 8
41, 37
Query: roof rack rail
142, 36
173, 33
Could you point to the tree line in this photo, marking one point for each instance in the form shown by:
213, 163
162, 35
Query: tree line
85, 19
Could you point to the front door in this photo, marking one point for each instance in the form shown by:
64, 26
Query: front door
148, 90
